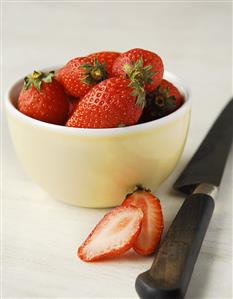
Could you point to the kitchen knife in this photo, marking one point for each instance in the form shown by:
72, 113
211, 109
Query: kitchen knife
170, 273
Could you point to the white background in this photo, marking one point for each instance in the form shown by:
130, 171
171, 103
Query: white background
41, 235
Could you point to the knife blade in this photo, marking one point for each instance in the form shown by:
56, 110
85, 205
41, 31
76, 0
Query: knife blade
171, 271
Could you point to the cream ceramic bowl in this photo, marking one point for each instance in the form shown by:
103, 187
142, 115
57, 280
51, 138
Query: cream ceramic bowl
98, 167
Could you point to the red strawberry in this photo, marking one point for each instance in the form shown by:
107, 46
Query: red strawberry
152, 223
113, 235
72, 104
144, 66
161, 102
76, 76
167, 96
107, 59
111, 103
80, 74
43, 98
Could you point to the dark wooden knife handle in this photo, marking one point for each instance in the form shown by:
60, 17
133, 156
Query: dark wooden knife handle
173, 265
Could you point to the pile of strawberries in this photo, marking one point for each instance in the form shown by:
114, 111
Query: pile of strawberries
137, 224
101, 90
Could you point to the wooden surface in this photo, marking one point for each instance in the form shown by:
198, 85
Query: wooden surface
40, 235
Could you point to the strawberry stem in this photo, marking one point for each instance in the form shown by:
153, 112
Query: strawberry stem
94, 73
136, 71
163, 100
139, 75
138, 188
36, 79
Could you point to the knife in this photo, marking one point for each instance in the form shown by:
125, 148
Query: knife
171, 271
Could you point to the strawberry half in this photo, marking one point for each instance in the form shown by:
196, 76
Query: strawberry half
152, 223
114, 234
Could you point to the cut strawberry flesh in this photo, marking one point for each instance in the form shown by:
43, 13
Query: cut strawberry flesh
114, 234
152, 223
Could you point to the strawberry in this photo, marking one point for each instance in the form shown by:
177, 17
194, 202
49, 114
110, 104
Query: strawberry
144, 66
80, 74
113, 235
161, 102
152, 223
111, 103
72, 104
167, 96
43, 98
107, 59
77, 77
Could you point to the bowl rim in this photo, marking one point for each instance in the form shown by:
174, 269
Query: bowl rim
179, 83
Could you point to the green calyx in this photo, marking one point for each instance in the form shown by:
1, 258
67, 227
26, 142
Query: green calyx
139, 75
162, 99
138, 188
93, 73
36, 78
138, 92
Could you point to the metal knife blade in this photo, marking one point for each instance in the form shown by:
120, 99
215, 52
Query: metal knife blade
207, 164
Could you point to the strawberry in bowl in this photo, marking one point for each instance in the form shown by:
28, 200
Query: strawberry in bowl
100, 125
144, 66
43, 98
165, 99
109, 104
80, 74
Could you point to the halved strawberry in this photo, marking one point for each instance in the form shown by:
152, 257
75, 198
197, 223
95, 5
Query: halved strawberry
114, 234
152, 222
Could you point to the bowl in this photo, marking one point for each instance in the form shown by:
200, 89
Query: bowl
96, 168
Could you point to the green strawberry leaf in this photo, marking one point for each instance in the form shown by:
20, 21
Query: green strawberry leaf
37, 84
36, 78
49, 77
94, 73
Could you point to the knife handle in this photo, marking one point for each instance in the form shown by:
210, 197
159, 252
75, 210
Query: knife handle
173, 265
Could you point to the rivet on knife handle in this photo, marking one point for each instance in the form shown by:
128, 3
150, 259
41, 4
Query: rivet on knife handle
171, 271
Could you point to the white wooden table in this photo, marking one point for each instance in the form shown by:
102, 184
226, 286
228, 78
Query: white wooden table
40, 235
